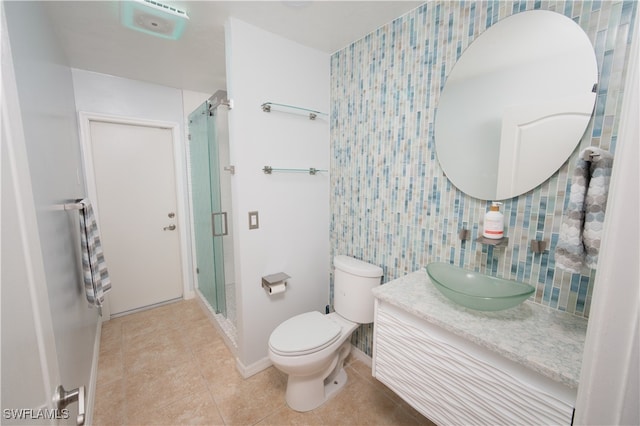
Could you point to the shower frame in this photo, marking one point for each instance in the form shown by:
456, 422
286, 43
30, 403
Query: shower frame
210, 198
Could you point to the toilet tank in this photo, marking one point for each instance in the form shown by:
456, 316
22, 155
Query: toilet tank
352, 285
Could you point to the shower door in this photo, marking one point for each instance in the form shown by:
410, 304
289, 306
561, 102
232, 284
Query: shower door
210, 221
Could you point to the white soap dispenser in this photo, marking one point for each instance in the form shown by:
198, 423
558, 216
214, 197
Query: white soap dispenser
494, 222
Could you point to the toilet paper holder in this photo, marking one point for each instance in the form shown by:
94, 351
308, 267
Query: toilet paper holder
275, 283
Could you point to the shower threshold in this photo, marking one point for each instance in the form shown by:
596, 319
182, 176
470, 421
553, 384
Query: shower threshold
223, 324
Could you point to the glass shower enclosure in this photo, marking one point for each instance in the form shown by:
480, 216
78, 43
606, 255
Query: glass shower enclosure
211, 206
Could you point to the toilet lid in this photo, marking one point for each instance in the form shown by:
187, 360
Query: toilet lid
304, 333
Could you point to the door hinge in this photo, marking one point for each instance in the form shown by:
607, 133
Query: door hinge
189, 137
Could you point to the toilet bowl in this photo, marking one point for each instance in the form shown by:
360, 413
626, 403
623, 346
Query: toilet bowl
311, 347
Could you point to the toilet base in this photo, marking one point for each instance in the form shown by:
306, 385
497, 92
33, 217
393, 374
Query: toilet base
333, 387
306, 395
315, 377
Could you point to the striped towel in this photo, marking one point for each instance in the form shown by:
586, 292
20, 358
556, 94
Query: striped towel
94, 267
581, 229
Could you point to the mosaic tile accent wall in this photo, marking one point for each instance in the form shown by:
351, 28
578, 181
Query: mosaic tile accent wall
391, 204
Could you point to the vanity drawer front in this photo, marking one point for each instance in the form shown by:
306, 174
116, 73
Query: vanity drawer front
453, 381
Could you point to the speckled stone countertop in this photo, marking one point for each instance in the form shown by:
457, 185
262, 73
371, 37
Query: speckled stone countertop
545, 340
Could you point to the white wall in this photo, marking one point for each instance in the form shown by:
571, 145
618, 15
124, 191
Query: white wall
293, 208
110, 95
192, 100
107, 94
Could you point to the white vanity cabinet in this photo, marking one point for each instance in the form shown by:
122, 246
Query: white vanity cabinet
452, 381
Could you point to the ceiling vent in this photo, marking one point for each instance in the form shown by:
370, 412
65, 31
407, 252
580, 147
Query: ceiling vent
151, 17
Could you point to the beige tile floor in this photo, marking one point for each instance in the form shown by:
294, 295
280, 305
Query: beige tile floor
169, 366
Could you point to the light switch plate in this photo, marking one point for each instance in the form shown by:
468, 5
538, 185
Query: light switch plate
253, 220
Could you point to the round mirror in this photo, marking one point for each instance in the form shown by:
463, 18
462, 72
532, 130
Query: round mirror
515, 105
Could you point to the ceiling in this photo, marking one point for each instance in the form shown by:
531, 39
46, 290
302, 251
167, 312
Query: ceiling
93, 38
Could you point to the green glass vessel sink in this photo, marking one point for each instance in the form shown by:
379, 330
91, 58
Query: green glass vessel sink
475, 290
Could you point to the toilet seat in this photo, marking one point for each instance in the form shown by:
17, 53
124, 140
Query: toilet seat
303, 334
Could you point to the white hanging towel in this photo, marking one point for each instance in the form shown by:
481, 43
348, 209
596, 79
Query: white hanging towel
94, 267
581, 229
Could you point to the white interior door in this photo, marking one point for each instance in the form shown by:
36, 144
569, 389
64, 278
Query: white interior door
48, 333
29, 368
29, 360
133, 168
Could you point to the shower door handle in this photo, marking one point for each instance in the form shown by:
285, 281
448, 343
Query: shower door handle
225, 230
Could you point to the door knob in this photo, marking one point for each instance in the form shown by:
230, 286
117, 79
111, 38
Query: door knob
62, 398
169, 228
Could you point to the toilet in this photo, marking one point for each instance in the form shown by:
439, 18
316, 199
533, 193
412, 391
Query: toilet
311, 347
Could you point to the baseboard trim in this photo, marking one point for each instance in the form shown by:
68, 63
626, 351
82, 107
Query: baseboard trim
247, 371
361, 356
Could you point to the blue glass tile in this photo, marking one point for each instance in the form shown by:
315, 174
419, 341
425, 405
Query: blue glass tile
541, 275
628, 16
390, 201
521, 271
599, 115
489, 20
605, 73
541, 219
546, 293
613, 144
555, 293
550, 275
515, 8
